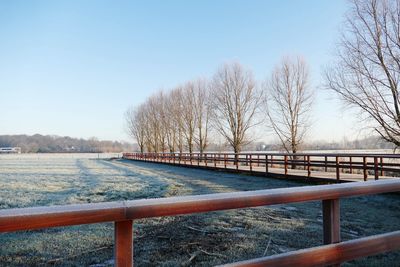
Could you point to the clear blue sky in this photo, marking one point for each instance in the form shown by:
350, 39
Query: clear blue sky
74, 67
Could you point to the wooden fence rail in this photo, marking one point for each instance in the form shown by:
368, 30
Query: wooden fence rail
125, 212
377, 165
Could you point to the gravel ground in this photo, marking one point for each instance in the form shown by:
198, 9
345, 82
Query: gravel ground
201, 240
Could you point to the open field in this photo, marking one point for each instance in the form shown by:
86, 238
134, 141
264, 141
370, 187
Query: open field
199, 240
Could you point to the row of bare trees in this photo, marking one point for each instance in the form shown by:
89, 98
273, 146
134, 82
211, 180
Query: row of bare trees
230, 104
177, 120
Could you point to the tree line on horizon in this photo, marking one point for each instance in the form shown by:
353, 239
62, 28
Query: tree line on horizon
61, 144
232, 106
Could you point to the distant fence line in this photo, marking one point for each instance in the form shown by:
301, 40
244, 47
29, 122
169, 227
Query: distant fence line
336, 165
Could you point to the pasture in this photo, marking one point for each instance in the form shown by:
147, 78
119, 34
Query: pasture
198, 240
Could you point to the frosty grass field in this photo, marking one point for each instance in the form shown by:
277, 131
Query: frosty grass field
196, 240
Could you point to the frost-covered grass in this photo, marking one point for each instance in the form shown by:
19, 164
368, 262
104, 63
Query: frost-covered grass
209, 239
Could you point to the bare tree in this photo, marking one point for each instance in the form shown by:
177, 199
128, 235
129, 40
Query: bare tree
176, 112
366, 74
162, 120
202, 111
289, 101
236, 103
169, 121
188, 102
136, 125
156, 138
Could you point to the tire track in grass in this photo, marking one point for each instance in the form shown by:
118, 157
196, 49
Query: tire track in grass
139, 185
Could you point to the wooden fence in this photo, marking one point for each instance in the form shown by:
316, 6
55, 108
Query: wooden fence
124, 213
336, 165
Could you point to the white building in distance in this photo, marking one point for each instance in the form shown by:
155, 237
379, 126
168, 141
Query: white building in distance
9, 150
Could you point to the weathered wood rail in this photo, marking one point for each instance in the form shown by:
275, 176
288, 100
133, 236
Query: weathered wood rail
338, 167
124, 213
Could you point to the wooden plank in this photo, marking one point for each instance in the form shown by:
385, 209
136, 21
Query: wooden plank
329, 254
54, 216
43, 217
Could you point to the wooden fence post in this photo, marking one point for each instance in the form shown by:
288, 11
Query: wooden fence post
326, 164
365, 172
376, 170
266, 163
225, 161
337, 168
237, 161
382, 172
331, 220
250, 161
351, 165
308, 166
123, 243
285, 164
